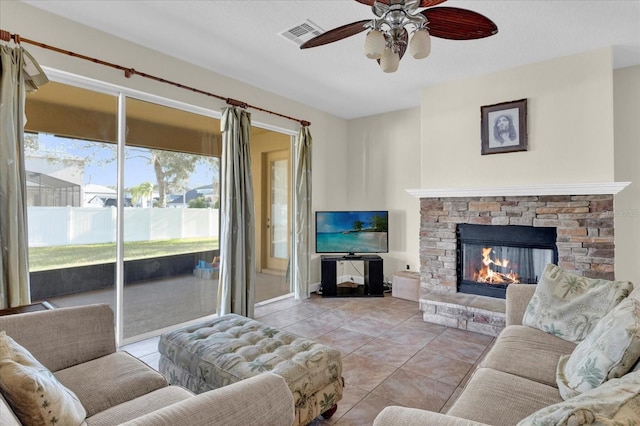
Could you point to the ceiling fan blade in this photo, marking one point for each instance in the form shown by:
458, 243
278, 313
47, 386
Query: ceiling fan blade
458, 24
423, 3
336, 34
430, 3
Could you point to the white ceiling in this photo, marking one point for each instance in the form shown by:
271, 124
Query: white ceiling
240, 39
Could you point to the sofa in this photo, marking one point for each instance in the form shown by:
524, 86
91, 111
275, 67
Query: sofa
109, 387
516, 381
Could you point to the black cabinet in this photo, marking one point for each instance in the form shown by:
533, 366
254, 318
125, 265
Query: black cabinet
373, 277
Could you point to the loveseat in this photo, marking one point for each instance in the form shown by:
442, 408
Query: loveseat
112, 387
517, 380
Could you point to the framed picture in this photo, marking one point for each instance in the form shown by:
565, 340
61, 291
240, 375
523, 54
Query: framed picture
504, 127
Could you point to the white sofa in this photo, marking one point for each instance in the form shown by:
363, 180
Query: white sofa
78, 345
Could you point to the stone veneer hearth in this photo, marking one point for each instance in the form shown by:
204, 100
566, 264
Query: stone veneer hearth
585, 242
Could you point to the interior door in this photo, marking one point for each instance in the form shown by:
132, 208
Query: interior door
276, 241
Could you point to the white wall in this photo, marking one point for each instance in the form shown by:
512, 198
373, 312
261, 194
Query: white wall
329, 132
384, 161
570, 123
626, 97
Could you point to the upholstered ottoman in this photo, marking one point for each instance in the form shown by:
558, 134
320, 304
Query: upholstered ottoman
225, 350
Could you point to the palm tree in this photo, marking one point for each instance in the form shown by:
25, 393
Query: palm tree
146, 190
143, 191
573, 285
134, 191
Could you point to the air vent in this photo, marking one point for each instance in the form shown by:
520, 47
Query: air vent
302, 32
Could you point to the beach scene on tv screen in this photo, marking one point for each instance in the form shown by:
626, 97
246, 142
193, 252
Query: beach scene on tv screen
351, 232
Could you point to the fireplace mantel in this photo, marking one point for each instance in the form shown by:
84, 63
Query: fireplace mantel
593, 188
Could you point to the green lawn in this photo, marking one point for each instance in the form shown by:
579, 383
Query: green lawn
43, 258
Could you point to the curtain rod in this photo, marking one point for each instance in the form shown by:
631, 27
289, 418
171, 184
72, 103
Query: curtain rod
129, 72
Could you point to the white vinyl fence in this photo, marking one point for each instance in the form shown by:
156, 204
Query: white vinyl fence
57, 226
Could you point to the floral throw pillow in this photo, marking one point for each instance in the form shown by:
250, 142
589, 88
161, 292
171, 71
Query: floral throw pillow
616, 402
569, 305
608, 352
34, 394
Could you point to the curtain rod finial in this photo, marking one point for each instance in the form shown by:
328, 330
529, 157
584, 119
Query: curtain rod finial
5, 35
236, 103
305, 123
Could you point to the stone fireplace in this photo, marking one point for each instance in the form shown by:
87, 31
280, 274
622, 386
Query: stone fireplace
579, 216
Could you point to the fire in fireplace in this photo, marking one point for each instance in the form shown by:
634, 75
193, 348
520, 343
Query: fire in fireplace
489, 258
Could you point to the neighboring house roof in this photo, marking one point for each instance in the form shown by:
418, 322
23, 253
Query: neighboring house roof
93, 188
42, 179
192, 194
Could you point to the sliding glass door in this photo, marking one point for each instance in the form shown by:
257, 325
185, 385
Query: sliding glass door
167, 204
172, 181
123, 205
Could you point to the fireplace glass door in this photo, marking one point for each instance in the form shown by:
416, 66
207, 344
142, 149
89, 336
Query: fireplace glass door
503, 264
492, 257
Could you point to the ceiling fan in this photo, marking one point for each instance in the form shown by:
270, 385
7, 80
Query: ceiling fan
388, 38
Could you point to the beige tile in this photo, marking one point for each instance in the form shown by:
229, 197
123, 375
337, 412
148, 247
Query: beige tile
351, 396
414, 390
371, 326
438, 367
392, 318
346, 316
346, 341
455, 347
152, 360
469, 336
388, 353
270, 308
311, 328
364, 372
365, 411
452, 399
307, 310
412, 333
142, 348
330, 302
281, 319
356, 306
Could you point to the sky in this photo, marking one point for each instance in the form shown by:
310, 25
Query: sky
137, 170
339, 221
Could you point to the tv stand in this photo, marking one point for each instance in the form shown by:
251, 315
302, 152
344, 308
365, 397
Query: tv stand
373, 276
352, 256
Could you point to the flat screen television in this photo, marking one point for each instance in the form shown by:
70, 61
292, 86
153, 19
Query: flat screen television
352, 232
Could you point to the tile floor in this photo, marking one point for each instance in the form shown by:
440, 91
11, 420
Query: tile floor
390, 355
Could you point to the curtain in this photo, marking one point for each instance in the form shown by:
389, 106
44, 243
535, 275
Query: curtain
236, 287
303, 213
19, 73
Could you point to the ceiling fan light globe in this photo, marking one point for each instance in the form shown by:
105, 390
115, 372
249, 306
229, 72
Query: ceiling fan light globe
374, 44
389, 61
420, 44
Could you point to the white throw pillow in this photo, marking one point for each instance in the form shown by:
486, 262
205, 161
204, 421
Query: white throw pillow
608, 352
616, 402
34, 394
569, 306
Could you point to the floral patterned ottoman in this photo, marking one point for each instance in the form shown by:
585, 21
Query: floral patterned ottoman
225, 350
